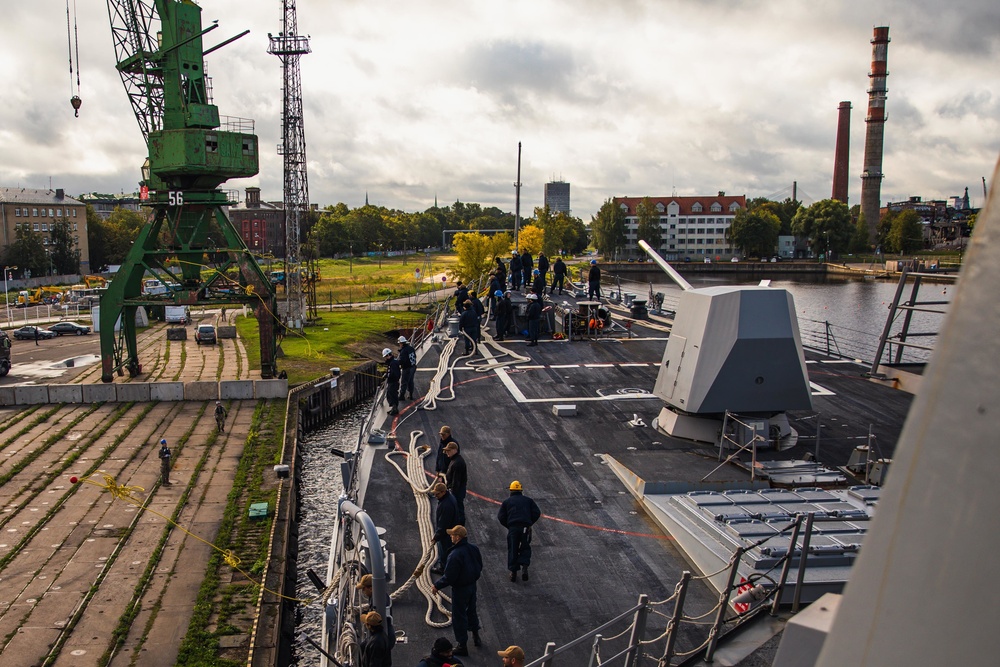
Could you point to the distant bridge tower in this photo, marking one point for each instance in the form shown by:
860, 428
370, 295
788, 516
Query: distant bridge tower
288, 46
841, 160
871, 177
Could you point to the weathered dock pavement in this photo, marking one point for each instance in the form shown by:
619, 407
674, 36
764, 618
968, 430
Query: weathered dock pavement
87, 576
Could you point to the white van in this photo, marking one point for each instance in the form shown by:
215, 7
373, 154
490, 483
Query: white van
177, 314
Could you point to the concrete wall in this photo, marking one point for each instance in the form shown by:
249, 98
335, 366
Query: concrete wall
65, 393
240, 390
99, 393
31, 395
225, 332
142, 392
201, 391
133, 392
270, 388
166, 391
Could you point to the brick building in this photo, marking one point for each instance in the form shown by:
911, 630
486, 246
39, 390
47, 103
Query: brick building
261, 224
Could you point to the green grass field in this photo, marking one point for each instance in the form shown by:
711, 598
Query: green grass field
364, 280
343, 338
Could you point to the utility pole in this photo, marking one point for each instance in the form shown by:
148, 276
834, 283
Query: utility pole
288, 46
517, 199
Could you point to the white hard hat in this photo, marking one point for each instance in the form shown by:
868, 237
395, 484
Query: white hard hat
402, 339
532, 296
386, 352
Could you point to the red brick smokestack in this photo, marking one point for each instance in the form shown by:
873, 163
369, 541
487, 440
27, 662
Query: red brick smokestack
841, 160
871, 177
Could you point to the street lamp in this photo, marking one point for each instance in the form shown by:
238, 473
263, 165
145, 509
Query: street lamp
350, 258
6, 275
380, 255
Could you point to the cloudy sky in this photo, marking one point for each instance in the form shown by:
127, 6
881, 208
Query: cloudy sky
408, 101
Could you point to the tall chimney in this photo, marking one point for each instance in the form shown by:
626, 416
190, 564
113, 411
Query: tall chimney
842, 156
871, 177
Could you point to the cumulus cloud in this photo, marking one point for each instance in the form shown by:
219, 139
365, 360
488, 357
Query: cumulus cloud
406, 102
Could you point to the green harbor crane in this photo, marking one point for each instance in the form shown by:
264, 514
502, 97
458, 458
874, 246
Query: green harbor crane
192, 151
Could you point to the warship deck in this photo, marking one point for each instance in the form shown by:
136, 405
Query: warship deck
595, 550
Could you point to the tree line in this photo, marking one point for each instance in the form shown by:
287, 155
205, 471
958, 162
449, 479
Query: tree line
339, 231
829, 226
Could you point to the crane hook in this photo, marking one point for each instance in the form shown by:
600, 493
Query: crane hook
76, 102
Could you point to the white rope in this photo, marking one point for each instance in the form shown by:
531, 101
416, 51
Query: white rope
415, 477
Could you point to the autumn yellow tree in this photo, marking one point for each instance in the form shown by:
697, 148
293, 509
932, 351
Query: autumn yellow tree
476, 252
531, 239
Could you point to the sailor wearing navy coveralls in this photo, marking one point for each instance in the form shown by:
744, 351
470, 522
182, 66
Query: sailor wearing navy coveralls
461, 572
517, 514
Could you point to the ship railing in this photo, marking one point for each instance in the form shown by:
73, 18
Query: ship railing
738, 603
895, 346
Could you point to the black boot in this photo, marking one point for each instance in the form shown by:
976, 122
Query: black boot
524, 573
475, 638
460, 650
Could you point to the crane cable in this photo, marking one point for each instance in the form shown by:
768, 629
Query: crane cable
73, 43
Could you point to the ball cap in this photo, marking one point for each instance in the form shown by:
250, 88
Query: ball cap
458, 530
372, 618
535, 272
593, 261
451, 447
515, 652
442, 645
516, 486
163, 442
439, 488
366, 582
402, 339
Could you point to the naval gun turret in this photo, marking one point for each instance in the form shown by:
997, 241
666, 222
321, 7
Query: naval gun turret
731, 349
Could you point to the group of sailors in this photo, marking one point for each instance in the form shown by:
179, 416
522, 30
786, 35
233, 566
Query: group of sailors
525, 273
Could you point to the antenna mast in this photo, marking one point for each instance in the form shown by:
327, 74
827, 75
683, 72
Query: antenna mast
288, 46
517, 200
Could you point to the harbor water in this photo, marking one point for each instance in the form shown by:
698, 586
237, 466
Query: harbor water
845, 316
320, 487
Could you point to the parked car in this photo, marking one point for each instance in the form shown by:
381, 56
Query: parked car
28, 333
64, 328
205, 333
735, 260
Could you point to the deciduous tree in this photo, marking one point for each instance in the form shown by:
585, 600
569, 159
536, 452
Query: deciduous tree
755, 231
531, 238
476, 252
608, 228
63, 248
827, 225
648, 227
906, 235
